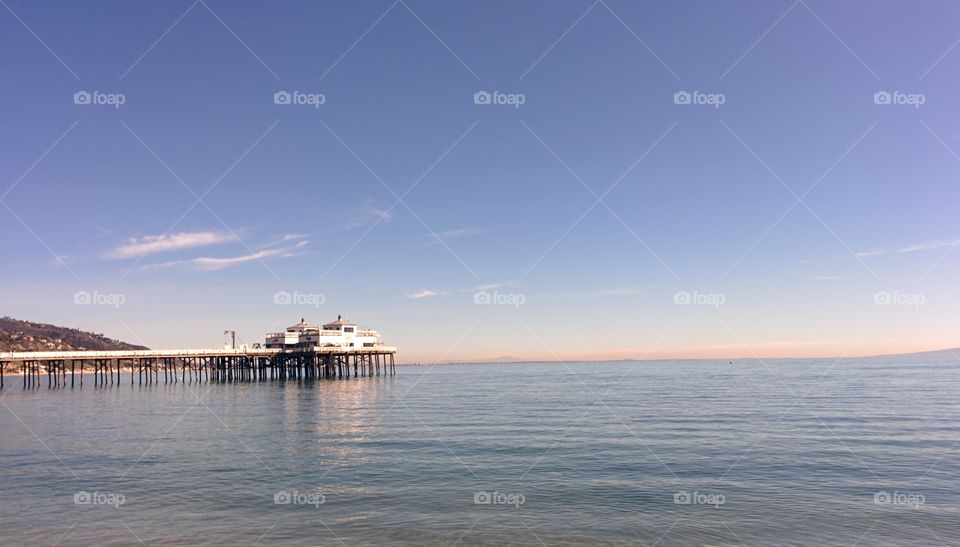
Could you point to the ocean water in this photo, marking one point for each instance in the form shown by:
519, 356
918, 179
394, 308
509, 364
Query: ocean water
781, 452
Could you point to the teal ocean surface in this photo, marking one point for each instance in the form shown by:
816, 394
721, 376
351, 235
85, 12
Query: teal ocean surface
778, 452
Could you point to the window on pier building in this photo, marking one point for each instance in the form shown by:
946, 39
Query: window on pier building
347, 329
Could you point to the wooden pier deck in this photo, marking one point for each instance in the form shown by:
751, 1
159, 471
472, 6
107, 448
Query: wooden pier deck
211, 365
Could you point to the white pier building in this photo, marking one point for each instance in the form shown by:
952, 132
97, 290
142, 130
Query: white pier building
339, 334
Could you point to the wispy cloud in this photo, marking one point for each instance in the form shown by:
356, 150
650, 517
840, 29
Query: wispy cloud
442, 237
209, 263
425, 293
286, 239
918, 247
429, 293
366, 216
147, 245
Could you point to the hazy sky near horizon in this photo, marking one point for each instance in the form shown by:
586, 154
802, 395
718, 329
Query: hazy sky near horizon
678, 179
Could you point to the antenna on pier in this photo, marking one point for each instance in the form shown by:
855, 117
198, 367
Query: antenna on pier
233, 338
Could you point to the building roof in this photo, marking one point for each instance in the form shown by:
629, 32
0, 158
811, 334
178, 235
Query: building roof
340, 322
301, 325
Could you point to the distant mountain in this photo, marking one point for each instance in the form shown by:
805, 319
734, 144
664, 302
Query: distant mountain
952, 354
17, 335
507, 359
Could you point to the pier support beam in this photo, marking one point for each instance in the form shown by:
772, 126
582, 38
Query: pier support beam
199, 366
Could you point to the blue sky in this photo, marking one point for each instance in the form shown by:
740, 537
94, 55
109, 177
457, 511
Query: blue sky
802, 216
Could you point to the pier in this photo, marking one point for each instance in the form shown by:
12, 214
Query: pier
66, 368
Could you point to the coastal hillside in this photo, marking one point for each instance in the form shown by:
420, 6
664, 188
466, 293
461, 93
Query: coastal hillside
18, 335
